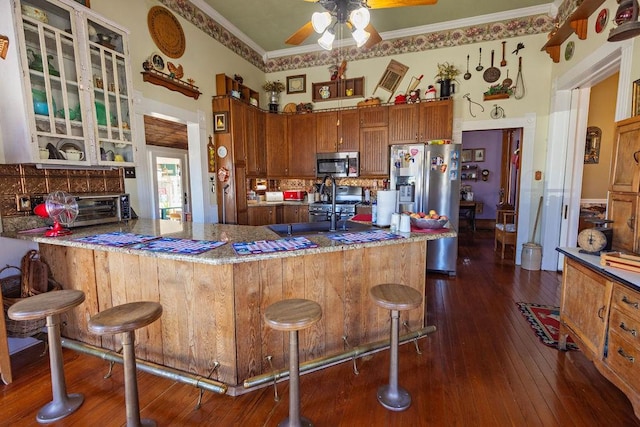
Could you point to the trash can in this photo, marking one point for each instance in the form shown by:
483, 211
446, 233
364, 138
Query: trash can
531, 256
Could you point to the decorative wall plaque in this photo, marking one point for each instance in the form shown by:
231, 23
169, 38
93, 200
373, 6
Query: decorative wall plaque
166, 32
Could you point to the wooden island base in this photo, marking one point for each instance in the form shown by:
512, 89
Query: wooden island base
214, 313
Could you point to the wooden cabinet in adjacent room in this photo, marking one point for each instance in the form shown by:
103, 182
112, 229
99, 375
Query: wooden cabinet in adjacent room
302, 145
623, 211
276, 142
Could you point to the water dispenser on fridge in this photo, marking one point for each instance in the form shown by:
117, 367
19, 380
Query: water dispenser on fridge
406, 187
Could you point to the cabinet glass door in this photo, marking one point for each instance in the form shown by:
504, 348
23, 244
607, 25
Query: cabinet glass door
111, 97
50, 39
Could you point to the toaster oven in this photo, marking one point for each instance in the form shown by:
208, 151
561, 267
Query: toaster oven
102, 208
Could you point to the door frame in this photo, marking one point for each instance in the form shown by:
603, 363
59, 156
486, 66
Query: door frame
567, 130
153, 153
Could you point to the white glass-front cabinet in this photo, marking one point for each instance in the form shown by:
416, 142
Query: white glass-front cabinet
75, 84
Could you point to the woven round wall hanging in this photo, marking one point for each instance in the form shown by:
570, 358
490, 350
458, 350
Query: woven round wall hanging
166, 32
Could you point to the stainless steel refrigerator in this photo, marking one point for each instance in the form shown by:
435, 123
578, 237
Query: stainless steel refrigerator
427, 177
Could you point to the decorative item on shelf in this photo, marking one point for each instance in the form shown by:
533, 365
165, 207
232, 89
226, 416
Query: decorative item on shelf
400, 99
166, 80
105, 40
35, 62
485, 174
626, 19
175, 71
35, 13
414, 97
445, 76
238, 78
369, 102
304, 107
602, 20
324, 92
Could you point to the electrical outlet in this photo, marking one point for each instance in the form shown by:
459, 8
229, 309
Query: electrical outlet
129, 172
23, 202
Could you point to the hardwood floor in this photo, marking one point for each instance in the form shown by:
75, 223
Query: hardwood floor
484, 366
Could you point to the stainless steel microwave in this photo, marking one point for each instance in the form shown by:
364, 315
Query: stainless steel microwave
340, 165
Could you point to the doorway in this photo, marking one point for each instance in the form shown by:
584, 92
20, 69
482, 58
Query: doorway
171, 184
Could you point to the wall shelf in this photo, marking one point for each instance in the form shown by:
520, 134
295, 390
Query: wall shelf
577, 23
338, 89
161, 79
226, 84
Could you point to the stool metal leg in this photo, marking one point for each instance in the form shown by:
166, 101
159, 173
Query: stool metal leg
294, 420
392, 396
63, 404
131, 383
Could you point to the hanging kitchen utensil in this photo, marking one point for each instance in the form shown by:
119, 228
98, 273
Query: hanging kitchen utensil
480, 67
467, 75
491, 74
506, 83
503, 63
519, 89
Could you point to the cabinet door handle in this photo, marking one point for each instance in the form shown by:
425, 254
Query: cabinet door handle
635, 157
630, 222
626, 356
601, 313
631, 331
626, 301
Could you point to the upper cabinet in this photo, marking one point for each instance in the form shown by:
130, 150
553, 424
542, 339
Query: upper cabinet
625, 167
69, 69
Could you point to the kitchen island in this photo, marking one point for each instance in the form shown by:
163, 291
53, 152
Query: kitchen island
213, 302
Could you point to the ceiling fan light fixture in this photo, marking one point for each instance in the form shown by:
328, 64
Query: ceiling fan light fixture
360, 18
326, 41
320, 21
360, 36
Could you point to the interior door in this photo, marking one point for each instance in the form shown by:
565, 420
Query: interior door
170, 174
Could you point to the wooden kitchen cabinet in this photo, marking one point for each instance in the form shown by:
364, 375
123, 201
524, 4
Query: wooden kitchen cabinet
622, 209
584, 307
277, 145
374, 152
226, 84
349, 130
294, 213
337, 131
238, 125
436, 120
403, 124
301, 137
625, 167
256, 145
262, 215
374, 116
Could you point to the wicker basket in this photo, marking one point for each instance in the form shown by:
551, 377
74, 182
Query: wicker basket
11, 294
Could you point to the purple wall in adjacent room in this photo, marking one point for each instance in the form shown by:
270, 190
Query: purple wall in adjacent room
487, 192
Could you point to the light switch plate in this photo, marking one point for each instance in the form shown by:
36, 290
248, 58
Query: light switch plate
129, 172
23, 202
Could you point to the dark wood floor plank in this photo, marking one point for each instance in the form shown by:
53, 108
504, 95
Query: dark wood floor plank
483, 366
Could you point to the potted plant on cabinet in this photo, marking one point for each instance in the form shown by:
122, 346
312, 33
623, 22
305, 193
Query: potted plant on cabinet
273, 88
446, 75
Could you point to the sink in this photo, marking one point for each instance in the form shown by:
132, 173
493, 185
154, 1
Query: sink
306, 228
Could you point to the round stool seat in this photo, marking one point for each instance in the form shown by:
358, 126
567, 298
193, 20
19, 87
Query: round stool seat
393, 296
292, 314
46, 304
125, 318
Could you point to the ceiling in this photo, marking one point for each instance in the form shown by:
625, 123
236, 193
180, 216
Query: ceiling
268, 23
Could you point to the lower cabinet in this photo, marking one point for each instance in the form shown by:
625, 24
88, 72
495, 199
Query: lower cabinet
278, 214
622, 210
603, 317
262, 215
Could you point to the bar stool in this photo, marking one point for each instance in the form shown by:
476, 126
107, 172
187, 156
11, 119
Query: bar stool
50, 305
395, 297
125, 319
293, 315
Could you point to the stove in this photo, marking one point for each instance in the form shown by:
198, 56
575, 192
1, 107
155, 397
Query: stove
347, 197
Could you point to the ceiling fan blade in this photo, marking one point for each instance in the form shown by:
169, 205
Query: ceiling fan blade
300, 35
374, 37
385, 4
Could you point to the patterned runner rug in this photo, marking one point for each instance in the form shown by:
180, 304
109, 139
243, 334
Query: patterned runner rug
545, 321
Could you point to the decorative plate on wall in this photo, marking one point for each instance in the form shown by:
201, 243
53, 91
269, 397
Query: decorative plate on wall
166, 32
601, 21
568, 51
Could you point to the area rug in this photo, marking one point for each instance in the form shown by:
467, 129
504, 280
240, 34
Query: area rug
545, 322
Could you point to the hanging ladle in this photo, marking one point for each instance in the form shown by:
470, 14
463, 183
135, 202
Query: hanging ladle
480, 67
467, 75
506, 83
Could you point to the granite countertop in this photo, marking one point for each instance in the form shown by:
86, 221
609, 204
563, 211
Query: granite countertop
210, 232
627, 277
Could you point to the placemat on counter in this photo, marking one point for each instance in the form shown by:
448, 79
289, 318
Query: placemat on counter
268, 246
361, 218
364, 236
116, 238
178, 246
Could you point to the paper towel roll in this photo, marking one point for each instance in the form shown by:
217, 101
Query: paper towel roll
387, 205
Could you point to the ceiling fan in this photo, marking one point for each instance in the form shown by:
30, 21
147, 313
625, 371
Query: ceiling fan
353, 13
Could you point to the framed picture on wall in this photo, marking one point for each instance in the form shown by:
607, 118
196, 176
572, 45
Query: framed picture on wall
83, 2
297, 84
467, 156
478, 155
220, 122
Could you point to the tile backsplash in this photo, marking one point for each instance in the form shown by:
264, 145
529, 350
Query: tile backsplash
20, 179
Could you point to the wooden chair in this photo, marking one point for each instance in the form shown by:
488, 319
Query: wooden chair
506, 231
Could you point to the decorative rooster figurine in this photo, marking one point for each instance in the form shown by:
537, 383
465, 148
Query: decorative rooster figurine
175, 72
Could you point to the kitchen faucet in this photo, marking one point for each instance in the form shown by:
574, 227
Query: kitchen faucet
333, 216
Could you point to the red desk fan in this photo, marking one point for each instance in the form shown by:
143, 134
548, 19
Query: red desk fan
62, 208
